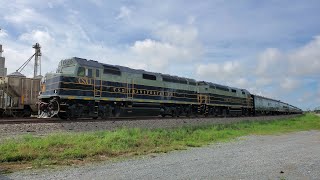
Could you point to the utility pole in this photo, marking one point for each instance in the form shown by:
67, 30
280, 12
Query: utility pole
37, 59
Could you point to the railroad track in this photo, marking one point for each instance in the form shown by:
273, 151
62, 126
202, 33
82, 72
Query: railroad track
57, 120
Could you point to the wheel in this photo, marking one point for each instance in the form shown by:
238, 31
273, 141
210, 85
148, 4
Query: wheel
53, 108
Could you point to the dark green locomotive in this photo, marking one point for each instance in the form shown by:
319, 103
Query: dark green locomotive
87, 88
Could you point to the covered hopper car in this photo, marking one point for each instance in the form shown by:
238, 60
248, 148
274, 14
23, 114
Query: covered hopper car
19, 95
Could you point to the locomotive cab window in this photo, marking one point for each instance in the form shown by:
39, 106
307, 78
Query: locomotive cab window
81, 71
97, 73
89, 72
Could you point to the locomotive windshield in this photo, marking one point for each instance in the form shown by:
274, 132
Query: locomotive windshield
81, 71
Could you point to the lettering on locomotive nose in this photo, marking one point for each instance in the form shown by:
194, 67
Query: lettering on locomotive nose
67, 62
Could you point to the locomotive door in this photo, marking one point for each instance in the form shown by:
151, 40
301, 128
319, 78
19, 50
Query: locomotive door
130, 88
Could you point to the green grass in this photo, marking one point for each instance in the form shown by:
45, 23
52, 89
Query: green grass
70, 148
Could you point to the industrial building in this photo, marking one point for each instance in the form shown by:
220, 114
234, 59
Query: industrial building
3, 69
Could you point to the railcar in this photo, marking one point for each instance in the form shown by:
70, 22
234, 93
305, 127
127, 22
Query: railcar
88, 88
19, 95
267, 106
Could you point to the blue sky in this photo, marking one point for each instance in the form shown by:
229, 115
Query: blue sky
271, 48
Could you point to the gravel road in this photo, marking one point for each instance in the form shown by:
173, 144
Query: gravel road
288, 156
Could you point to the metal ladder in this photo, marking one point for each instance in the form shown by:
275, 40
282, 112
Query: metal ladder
97, 91
130, 88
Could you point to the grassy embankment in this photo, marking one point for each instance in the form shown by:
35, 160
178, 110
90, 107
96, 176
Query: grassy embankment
75, 148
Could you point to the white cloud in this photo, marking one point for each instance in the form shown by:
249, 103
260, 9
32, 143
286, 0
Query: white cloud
183, 42
179, 35
50, 5
125, 12
191, 20
303, 61
276, 74
264, 81
305, 97
306, 60
42, 37
159, 54
285, 70
229, 73
16, 56
242, 83
97, 2
224, 71
289, 84
267, 60
176, 44
22, 16
3, 33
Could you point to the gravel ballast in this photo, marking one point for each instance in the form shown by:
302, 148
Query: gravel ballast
288, 156
12, 130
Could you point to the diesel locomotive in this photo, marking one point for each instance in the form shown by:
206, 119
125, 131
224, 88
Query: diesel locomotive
83, 88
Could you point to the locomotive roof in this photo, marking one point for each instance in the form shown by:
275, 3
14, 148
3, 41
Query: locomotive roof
96, 64
85, 62
223, 86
